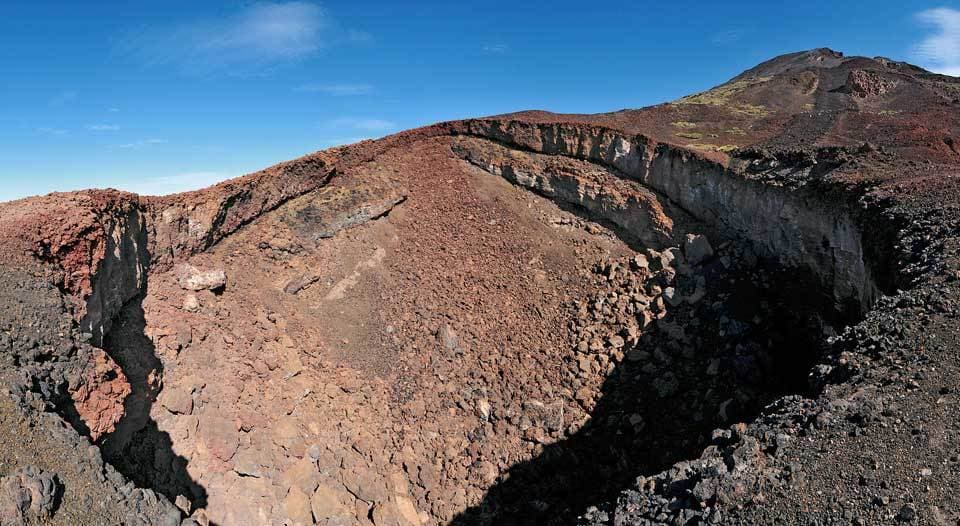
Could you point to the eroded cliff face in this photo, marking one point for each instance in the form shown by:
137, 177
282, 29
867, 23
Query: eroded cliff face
634, 209
92, 248
794, 226
187, 224
119, 273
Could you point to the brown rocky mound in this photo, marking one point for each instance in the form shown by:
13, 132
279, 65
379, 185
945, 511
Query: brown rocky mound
738, 307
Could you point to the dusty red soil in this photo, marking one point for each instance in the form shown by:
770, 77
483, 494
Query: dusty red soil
456, 323
467, 276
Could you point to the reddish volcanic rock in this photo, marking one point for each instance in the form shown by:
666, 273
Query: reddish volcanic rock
100, 396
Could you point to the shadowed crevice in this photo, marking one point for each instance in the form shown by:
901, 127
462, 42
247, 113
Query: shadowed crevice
138, 448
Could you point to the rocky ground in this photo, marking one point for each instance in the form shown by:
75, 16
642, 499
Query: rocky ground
736, 308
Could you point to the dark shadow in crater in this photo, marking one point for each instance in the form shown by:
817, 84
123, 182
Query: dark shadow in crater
138, 448
748, 345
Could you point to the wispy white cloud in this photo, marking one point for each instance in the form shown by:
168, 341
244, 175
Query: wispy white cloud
337, 90
46, 130
172, 184
102, 127
63, 98
727, 37
113, 110
356, 123
262, 34
495, 49
141, 144
940, 50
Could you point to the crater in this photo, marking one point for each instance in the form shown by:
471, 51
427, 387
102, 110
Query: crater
504, 324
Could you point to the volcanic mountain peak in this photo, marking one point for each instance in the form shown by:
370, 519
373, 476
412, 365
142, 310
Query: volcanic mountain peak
737, 307
792, 62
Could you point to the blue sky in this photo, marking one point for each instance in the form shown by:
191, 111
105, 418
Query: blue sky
158, 97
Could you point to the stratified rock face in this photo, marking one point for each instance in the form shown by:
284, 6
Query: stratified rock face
635, 209
796, 227
510, 320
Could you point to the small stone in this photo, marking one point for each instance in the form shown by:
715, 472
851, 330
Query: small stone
483, 408
722, 413
536, 435
546, 416
698, 294
697, 249
659, 307
640, 262
671, 297
297, 507
183, 503
328, 504
192, 278
247, 463
367, 485
191, 303
200, 517
616, 342
666, 385
907, 513
220, 436
407, 510
286, 433
666, 259
449, 338
585, 363
487, 471
714, 367
584, 395
664, 277
676, 256
178, 401
645, 318
303, 474
390, 513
